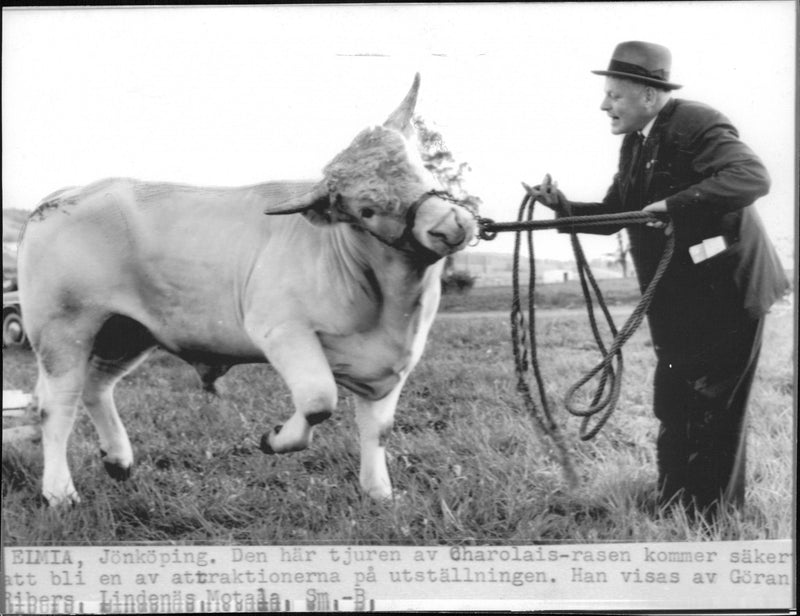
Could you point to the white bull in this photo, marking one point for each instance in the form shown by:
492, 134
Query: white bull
343, 291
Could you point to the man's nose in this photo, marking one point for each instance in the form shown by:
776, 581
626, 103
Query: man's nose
604, 105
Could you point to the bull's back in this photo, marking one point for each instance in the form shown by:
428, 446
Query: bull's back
166, 255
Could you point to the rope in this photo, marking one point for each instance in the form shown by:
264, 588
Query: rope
607, 405
608, 390
488, 228
522, 339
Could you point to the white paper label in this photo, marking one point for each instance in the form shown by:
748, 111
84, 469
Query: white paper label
707, 249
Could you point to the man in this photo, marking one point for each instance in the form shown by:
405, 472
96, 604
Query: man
685, 159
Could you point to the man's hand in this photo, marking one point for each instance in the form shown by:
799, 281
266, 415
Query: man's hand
659, 207
547, 193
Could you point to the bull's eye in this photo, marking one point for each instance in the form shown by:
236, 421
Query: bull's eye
367, 212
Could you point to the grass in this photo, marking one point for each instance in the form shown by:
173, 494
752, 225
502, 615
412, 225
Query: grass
616, 291
467, 464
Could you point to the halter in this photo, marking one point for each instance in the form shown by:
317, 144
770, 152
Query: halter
421, 252
407, 242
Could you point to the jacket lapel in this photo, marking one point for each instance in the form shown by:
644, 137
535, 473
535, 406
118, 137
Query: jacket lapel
651, 146
650, 154
631, 187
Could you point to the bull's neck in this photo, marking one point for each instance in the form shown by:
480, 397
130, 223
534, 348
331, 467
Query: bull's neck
394, 280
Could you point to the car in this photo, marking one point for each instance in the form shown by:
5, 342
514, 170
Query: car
14, 335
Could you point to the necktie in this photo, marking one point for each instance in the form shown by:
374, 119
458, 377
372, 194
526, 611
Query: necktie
635, 168
636, 154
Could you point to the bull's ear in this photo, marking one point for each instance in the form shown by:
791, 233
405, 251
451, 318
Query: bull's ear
401, 118
298, 199
313, 203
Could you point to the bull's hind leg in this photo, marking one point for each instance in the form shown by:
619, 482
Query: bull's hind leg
375, 419
297, 355
98, 398
62, 352
120, 346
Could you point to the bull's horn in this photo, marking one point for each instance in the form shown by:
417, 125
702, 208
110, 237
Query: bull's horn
401, 118
286, 199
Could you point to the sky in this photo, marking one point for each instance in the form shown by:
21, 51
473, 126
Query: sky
226, 96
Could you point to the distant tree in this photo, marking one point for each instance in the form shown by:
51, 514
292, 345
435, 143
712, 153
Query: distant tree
440, 161
451, 174
458, 281
13, 220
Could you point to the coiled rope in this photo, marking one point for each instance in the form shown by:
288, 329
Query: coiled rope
610, 368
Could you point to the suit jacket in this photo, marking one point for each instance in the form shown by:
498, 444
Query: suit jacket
694, 160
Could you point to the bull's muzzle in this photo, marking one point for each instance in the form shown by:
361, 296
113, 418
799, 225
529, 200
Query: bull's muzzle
453, 230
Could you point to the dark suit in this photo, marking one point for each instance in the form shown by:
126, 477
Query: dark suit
706, 317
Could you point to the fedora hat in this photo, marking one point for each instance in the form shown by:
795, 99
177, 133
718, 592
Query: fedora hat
643, 62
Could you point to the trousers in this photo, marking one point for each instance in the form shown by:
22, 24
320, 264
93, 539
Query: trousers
702, 408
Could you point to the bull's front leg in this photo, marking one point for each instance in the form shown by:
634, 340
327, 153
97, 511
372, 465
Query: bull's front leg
296, 353
375, 419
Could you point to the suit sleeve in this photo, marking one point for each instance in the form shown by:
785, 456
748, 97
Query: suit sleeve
611, 204
730, 174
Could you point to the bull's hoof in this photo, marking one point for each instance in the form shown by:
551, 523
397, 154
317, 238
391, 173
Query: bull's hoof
66, 501
116, 470
264, 445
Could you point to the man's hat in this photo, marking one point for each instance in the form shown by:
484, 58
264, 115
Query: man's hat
643, 62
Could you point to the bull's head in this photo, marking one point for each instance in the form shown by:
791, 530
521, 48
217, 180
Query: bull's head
380, 184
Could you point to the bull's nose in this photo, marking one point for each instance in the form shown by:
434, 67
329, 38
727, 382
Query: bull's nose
448, 230
452, 239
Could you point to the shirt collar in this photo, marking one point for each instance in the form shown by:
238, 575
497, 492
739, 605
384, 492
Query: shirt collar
648, 127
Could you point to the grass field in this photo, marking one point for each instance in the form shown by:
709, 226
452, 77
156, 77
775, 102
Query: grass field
616, 291
466, 462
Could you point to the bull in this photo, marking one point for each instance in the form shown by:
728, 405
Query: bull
337, 286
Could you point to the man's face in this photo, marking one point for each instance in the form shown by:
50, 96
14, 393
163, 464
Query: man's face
627, 104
